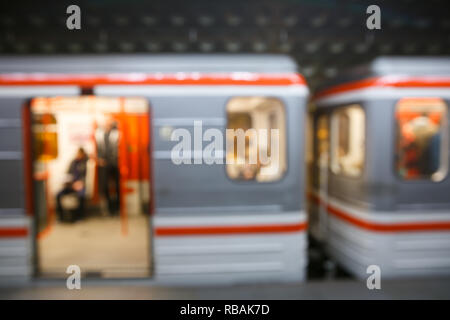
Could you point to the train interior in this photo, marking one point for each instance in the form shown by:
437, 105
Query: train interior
90, 185
264, 159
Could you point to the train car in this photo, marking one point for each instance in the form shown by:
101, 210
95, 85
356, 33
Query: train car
189, 211
379, 192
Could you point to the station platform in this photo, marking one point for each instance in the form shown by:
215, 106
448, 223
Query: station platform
317, 289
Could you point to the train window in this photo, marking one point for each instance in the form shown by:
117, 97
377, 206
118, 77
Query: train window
348, 141
256, 139
422, 139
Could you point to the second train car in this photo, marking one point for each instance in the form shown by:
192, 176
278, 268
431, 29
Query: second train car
379, 192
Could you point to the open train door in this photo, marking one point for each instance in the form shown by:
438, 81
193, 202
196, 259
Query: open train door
104, 143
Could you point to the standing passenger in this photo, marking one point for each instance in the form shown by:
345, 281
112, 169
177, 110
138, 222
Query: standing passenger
107, 139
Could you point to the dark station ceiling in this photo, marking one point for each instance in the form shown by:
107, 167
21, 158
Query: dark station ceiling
324, 36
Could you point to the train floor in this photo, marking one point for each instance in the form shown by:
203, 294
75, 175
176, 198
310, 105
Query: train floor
101, 245
315, 289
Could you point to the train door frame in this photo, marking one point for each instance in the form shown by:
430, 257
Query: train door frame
323, 177
27, 138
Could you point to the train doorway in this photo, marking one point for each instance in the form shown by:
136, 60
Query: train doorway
89, 168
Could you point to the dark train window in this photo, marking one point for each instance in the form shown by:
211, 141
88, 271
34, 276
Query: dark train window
422, 139
348, 141
256, 139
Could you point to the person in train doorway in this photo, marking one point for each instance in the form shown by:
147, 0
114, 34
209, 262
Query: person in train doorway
107, 140
71, 197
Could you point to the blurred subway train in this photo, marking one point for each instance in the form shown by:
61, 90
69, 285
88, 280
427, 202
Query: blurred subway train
379, 186
203, 219
120, 164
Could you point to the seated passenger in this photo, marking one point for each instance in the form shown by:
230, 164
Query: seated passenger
74, 185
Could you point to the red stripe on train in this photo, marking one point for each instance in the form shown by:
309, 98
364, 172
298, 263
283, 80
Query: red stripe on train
382, 227
13, 232
206, 79
387, 81
223, 230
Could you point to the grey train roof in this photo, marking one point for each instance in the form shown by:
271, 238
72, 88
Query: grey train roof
411, 65
390, 65
147, 63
